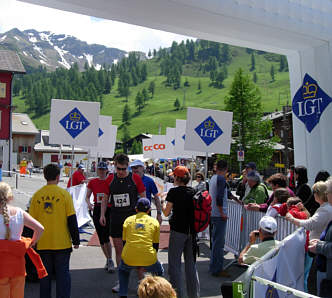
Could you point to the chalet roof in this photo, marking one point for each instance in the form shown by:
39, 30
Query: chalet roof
22, 124
45, 146
10, 62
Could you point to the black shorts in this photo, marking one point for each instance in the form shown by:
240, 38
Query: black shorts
102, 232
116, 224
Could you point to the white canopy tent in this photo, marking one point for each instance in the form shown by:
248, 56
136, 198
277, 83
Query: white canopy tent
300, 29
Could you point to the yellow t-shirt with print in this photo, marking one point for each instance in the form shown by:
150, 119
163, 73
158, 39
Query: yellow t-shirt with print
51, 205
140, 231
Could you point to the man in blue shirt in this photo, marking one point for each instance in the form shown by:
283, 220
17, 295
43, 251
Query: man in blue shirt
137, 167
218, 192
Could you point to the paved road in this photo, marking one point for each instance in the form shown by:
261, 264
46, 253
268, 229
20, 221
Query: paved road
89, 279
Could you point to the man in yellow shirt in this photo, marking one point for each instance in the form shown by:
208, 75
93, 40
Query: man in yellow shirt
141, 243
53, 207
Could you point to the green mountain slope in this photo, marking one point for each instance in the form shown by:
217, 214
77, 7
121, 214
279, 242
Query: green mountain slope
160, 109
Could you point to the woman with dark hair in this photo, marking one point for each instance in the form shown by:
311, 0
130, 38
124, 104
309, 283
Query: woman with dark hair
182, 235
302, 189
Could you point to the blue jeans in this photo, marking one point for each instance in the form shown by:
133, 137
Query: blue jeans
307, 266
218, 242
58, 262
124, 273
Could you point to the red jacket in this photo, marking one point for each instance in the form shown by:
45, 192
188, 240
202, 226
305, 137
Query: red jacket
12, 258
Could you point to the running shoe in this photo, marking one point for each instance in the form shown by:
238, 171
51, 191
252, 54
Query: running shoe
106, 265
116, 288
110, 266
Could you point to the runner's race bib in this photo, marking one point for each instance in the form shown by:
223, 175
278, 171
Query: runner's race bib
100, 197
121, 200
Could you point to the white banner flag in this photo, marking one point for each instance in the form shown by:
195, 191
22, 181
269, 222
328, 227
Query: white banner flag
147, 148
170, 142
159, 146
74, 122
208, 130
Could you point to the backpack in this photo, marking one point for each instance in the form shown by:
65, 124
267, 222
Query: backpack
202, 210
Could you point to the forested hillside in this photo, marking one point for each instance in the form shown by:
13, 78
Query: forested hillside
143, 95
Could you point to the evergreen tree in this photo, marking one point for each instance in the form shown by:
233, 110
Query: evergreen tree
249, 130
226, 56
144, 72
272, 73
139, 101
177, 104
176, 80
254, 77
113, 74
186, 83
154, 53
253, 62
136, 148
152, 88
149, 54
219, 79
199, 86
125, 138
283, 63
108, 85
126, 114
145, 95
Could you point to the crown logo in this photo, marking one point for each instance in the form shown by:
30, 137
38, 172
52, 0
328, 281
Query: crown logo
74, 116
209, 124
309, 90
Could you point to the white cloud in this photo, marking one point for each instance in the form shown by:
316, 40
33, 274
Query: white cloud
90, 29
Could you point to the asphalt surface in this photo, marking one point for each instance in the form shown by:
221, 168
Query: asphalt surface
89, 279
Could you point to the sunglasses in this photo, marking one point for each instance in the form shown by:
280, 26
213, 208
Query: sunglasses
199, 177
121, 169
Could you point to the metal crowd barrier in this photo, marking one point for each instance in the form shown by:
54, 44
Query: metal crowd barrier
243, 286
241, 222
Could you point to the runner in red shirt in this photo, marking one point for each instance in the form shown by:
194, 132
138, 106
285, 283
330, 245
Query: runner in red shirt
78, 176
99, 187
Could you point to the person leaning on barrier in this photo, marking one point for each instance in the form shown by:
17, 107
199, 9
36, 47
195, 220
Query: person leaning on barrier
253, 252
258, 192
276, 181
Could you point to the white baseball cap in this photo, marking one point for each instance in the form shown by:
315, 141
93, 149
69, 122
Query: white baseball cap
137, 163
268, 224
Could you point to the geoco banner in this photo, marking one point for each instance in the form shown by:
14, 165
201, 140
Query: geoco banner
208, 130
74, 122
155, 147
309, 103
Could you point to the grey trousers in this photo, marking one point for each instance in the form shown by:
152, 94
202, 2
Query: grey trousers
182, 243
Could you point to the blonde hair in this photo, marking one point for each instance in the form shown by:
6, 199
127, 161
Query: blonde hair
155, 287
329, 185
5, 194
320, 188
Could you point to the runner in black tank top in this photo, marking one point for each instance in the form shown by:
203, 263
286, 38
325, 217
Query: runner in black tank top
124, 190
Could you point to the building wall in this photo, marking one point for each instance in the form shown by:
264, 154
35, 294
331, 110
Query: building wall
24, 141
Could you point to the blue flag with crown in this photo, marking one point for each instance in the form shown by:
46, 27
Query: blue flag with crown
309, 103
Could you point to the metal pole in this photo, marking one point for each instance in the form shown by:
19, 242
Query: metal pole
16, 180
206, 165
72, 162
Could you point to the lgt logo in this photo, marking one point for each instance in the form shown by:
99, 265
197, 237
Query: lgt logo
309, 103
208, 130
74, 123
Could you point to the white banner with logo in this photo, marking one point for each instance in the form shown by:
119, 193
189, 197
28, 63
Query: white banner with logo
180, 137
106, 138
170, 142
74, 122
159, 146
208, 130
147, 148
78, 194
